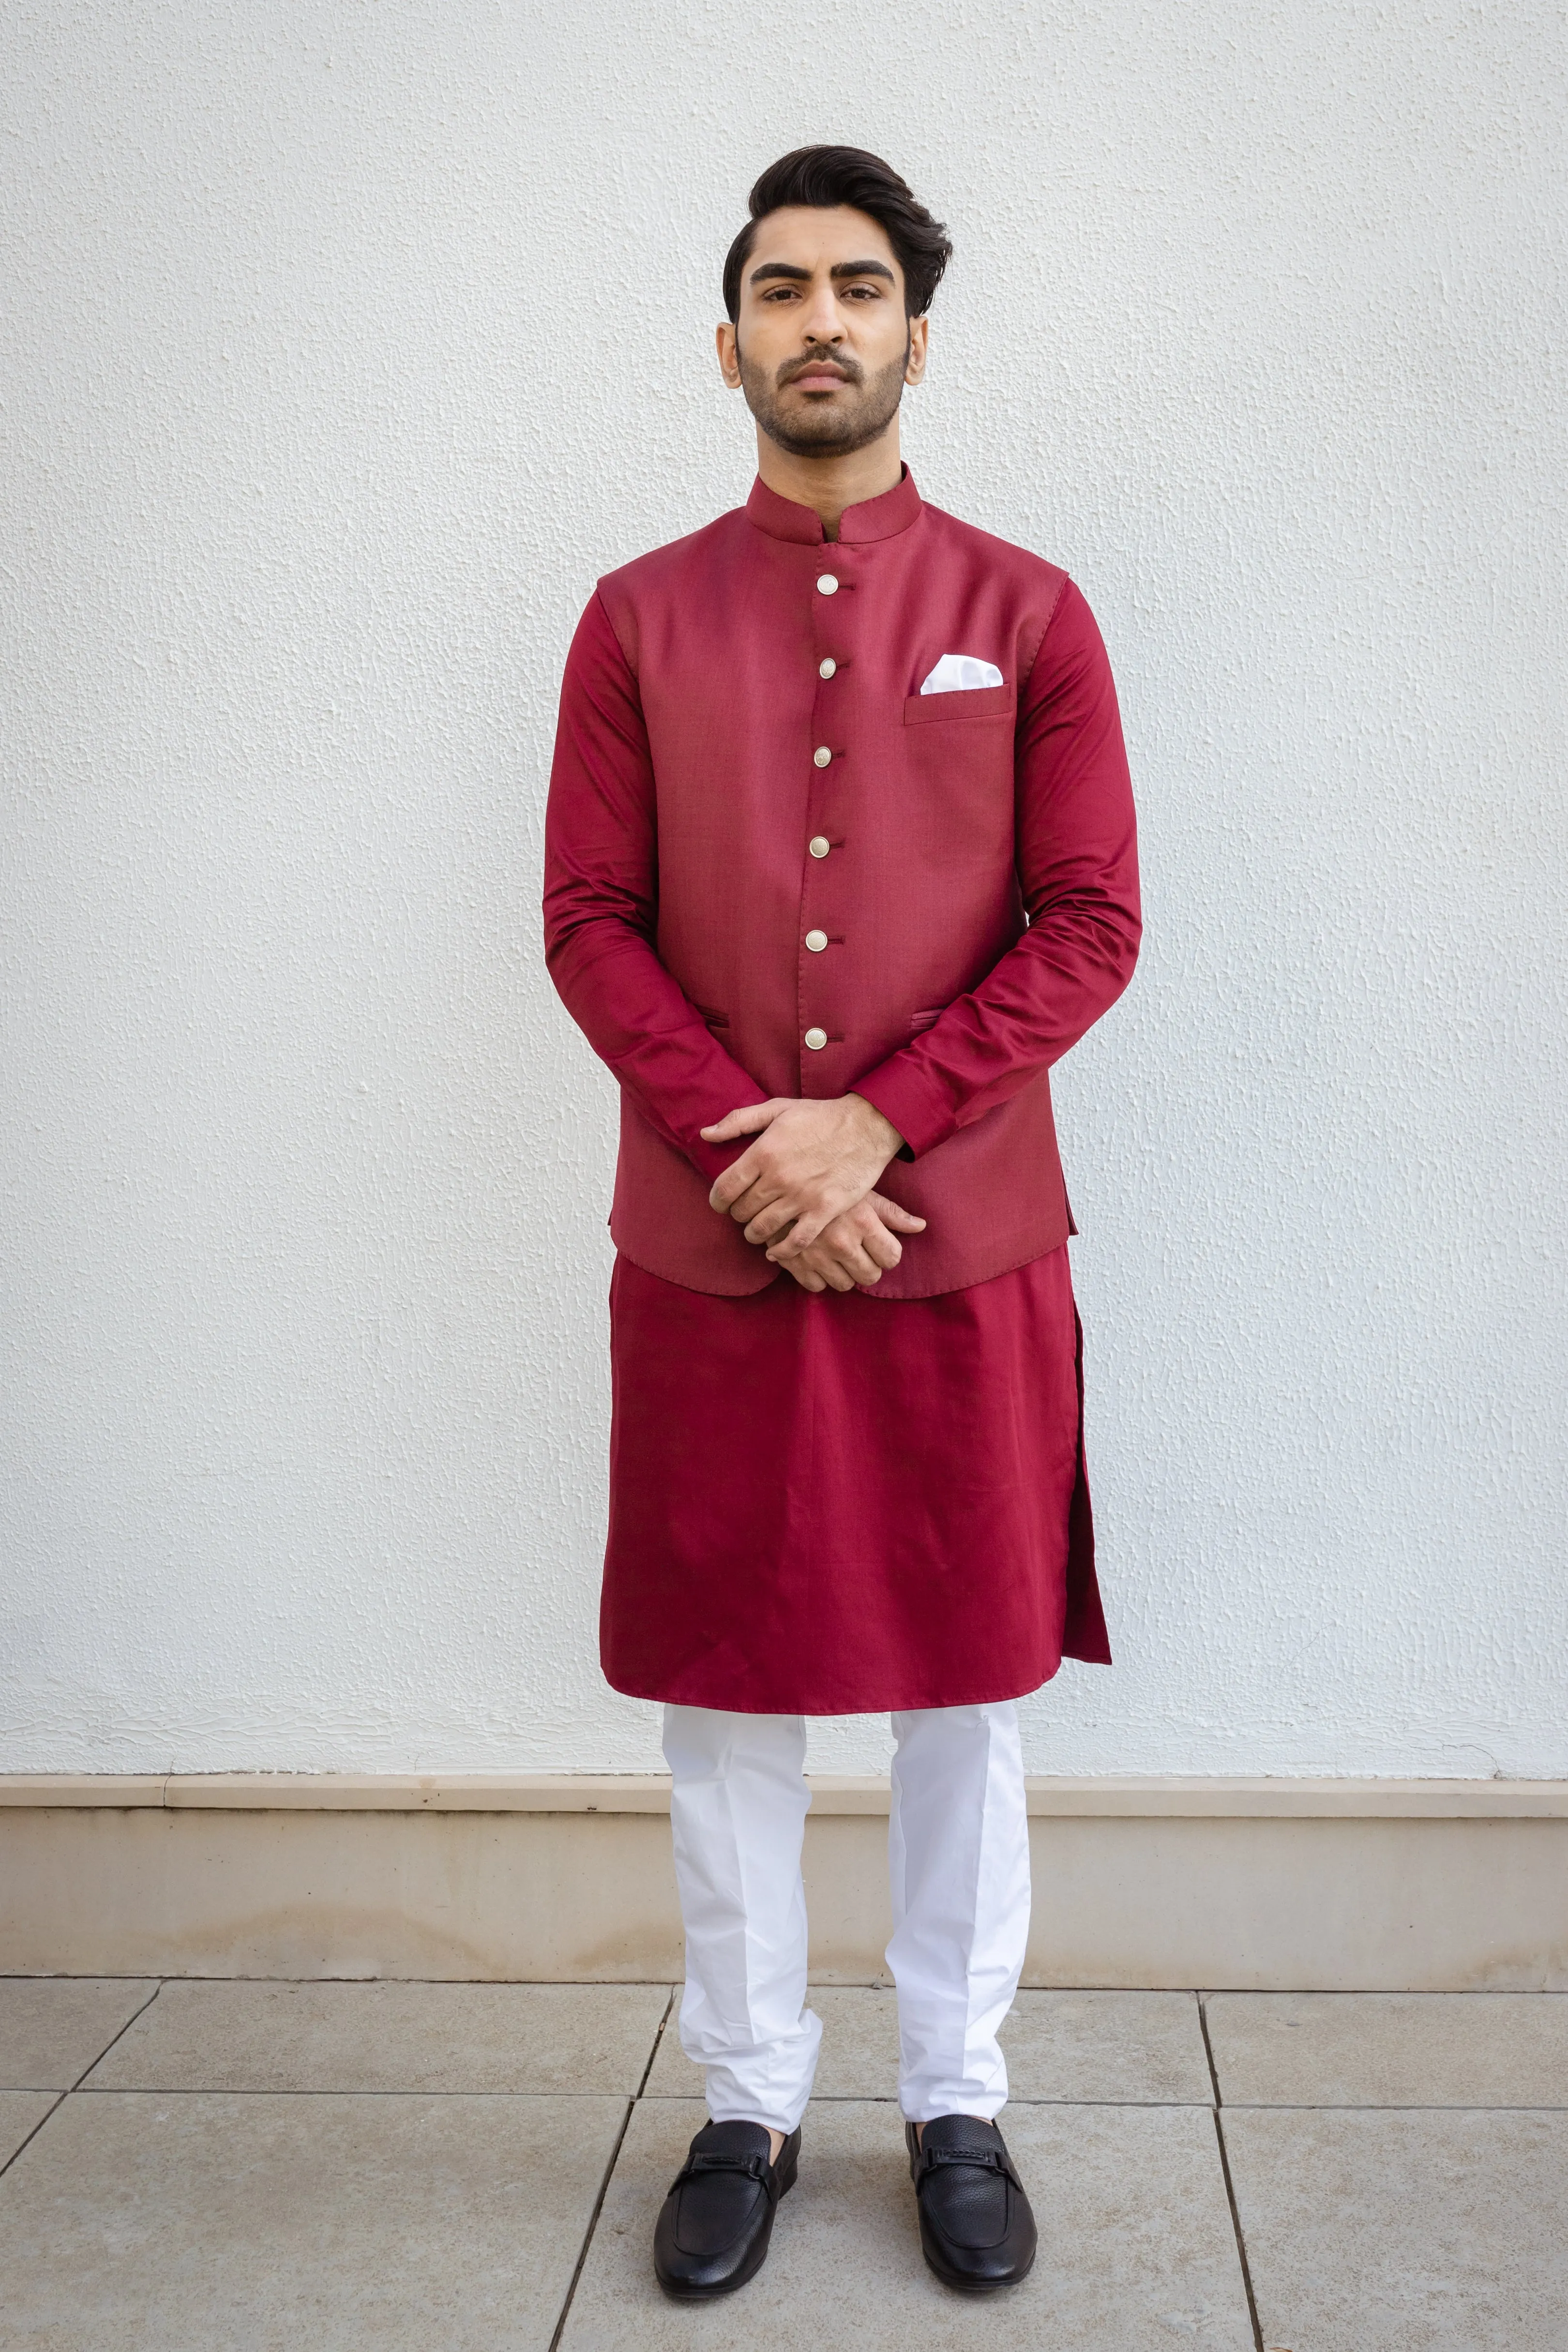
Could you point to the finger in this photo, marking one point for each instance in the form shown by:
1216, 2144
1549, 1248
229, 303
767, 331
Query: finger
806, 1229
770, 1222
746, 1187
900, 1221
856, 1264
764, 1195
736, 1179
749, 1119
841, 1249
862, 1227
806, 1279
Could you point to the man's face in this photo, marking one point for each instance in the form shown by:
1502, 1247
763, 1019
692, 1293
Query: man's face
823, 349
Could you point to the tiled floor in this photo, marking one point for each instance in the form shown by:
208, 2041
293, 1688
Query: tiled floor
200, 2167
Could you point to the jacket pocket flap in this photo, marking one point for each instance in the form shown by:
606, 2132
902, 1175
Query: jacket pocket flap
970, 702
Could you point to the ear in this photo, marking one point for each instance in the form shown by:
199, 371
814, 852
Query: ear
915, 365
728, 354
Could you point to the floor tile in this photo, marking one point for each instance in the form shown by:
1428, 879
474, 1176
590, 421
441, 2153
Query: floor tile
1439, 2231
20, 2113
1137, 2047
389, 2037
1391, 2049
52, 2028
1138, 2244
1077, 2047
136, 2222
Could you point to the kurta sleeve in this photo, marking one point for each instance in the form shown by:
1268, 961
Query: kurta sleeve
601, 902
1077, 871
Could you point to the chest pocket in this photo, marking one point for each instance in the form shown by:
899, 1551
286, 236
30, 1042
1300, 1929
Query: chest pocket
969, 703
958, 772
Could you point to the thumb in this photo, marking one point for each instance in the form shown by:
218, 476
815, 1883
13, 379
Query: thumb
897, 1219
751, 1120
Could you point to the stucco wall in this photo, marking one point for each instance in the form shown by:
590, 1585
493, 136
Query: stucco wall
348, 344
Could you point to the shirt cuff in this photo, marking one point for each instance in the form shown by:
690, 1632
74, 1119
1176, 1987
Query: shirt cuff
910, 1101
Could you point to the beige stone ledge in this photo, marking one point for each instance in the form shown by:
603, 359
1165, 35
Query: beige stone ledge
1145, 1797
1260, 1901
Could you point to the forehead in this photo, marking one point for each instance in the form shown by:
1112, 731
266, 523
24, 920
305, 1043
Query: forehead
818, 237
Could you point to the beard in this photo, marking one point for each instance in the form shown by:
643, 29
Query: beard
838, 426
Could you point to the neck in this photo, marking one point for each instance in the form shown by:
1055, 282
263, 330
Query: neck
828, 485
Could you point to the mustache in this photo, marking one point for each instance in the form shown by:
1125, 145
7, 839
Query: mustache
848, 367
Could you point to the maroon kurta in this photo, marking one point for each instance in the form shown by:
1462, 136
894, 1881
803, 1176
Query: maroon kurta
819, 1506
774, 866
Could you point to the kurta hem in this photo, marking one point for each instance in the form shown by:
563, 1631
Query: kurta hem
894, 1701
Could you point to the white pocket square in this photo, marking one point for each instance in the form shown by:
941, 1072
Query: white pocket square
957, 672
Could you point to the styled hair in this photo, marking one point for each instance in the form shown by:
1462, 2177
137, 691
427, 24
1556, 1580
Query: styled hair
824, 176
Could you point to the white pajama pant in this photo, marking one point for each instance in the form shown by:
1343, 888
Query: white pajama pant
958, 1854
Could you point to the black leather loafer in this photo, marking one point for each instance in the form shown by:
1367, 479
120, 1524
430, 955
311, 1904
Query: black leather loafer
976, 2230
713, 2228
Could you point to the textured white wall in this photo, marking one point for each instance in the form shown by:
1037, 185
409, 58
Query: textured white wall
348, 344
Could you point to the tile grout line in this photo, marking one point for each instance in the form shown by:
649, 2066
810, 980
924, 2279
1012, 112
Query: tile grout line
59, 2101
610, 2174
96, 2059
1230, 2184
657, 2038
113, 2038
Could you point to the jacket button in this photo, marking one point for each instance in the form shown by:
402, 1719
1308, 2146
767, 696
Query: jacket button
817, 1039
817, 941
826, 668
819, 845
821, 756
826, 585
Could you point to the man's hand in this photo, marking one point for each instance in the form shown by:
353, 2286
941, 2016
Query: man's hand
811, 1161
856, 1250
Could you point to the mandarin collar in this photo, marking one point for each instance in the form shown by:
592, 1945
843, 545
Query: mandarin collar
881, 517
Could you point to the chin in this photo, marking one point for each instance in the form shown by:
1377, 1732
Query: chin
837, 443
826, 409
819, 433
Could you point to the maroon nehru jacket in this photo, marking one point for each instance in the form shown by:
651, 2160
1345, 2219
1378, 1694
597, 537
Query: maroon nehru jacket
774, 867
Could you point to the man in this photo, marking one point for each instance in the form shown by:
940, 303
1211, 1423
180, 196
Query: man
840, 858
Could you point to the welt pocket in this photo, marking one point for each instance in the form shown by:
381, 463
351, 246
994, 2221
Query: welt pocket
710, 1013
972, 702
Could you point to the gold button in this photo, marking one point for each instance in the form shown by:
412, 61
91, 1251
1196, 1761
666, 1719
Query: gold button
826, 585
821, 756
826, 668
817, 1039
817, 941
819, 845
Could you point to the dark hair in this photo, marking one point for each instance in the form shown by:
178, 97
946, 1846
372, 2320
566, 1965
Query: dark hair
847, 176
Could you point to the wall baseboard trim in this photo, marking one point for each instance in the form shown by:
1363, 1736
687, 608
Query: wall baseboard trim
1213, 1797
1257, 1883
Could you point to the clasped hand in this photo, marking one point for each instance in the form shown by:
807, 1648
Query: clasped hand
804, 1189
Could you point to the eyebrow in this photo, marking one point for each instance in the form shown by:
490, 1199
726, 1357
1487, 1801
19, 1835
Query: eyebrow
839, 269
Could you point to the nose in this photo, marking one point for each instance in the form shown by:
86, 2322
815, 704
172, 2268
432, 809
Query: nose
823, 322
